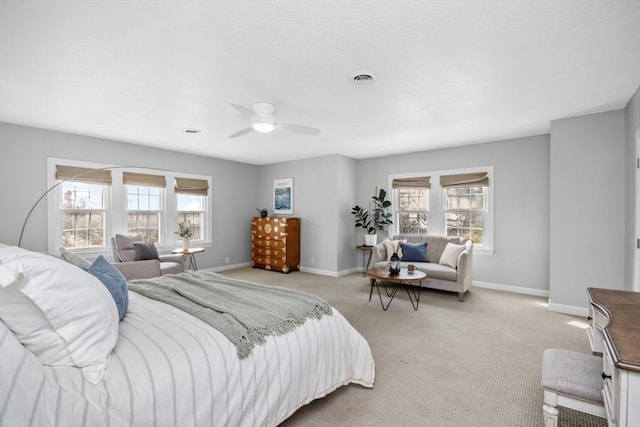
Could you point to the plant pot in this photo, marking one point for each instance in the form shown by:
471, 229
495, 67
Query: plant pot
185, 244
370, 239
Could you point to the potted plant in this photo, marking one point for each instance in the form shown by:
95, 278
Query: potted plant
185, 233
378, 220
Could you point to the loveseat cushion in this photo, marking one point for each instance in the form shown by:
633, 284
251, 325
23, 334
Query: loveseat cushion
414, 252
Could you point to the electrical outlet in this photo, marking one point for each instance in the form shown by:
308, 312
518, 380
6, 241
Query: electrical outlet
226, 260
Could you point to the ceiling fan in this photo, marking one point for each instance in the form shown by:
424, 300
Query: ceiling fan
262, 120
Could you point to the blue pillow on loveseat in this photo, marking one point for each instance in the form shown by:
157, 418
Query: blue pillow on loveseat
414, 252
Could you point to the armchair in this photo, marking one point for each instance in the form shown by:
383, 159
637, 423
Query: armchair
124, 259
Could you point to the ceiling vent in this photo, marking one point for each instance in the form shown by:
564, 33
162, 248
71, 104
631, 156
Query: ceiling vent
363, 77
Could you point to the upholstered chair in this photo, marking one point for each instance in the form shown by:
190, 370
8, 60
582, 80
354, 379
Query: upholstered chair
124, 259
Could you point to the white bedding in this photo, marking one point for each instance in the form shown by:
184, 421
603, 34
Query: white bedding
170, 369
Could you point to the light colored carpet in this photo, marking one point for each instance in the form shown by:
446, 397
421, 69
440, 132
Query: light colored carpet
476, 363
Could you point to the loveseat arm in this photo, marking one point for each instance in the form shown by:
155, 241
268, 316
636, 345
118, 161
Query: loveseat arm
465, 266
146, 269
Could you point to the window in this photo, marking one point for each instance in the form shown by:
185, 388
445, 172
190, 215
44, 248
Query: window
455, 203
144, 204
191, 197
464, 213
465, 207
91, 202
82, 208
412, 201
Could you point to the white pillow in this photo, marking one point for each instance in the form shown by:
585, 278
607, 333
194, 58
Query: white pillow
393, 246
62, 314
450, 255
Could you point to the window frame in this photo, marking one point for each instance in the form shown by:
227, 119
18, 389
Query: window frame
116, 212
437, 204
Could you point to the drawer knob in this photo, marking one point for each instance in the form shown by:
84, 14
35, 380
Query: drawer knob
605, 376
589, 318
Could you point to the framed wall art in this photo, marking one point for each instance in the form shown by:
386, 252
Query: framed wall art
283, 196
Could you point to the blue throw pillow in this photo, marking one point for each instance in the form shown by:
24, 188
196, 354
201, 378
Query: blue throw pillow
114, 281
414, 252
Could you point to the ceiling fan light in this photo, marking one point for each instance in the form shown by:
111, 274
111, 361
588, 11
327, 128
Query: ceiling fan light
263, 124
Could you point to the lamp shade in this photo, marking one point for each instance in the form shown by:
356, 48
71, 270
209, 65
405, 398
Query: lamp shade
263, 123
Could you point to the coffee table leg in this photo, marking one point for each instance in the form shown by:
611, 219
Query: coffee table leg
390, 295
371, 291
416, 297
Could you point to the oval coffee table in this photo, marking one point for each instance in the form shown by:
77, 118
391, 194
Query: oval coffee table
380, 275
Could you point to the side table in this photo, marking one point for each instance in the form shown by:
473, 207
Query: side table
379, 275
189, 253
364, 249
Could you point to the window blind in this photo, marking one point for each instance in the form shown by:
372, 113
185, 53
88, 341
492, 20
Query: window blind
414, 182
476, 179
192, 186
88, 175
147, 180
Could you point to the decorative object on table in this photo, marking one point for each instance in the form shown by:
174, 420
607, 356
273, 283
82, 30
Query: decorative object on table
283, 196
373, 220
185, 232
411, 268
394, 264
263, 212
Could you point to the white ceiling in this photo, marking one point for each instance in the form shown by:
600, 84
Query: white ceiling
449, 72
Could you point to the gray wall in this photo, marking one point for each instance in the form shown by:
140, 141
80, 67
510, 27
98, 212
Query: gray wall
318, 200
521, 206
23, 166
587, 207
632, 128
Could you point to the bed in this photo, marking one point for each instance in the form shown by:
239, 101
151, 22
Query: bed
167, 367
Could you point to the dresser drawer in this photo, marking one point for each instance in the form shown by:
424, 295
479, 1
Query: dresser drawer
598, 322
264, 243
270, 252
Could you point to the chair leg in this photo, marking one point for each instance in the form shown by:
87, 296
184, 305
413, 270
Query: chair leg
550, 415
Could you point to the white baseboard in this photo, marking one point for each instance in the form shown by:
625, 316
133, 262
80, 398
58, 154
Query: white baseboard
514, 289
319, 272
569, 309
230, 266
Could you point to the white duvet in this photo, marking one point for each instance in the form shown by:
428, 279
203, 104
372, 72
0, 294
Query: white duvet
171, 369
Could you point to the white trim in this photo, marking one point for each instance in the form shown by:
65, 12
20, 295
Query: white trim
319, 272
513, 289
569, 309
228, 267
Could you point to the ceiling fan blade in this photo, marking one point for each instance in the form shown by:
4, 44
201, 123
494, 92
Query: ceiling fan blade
244, 110
293, 128
240, 133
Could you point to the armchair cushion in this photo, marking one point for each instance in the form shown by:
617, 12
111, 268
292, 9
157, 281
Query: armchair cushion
145, 250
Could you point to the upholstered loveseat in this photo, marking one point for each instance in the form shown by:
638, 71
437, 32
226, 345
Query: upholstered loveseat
454, 276
124, 258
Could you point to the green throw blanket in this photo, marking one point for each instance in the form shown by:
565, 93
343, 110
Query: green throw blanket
246, 313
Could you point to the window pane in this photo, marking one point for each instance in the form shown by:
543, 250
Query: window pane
144, 223
141, 198
468, 225
194, 219
190, 202
82, 229
412, 222
78, 195
412, 199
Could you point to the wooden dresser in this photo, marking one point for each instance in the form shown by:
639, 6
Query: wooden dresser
615, 332
275, 243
